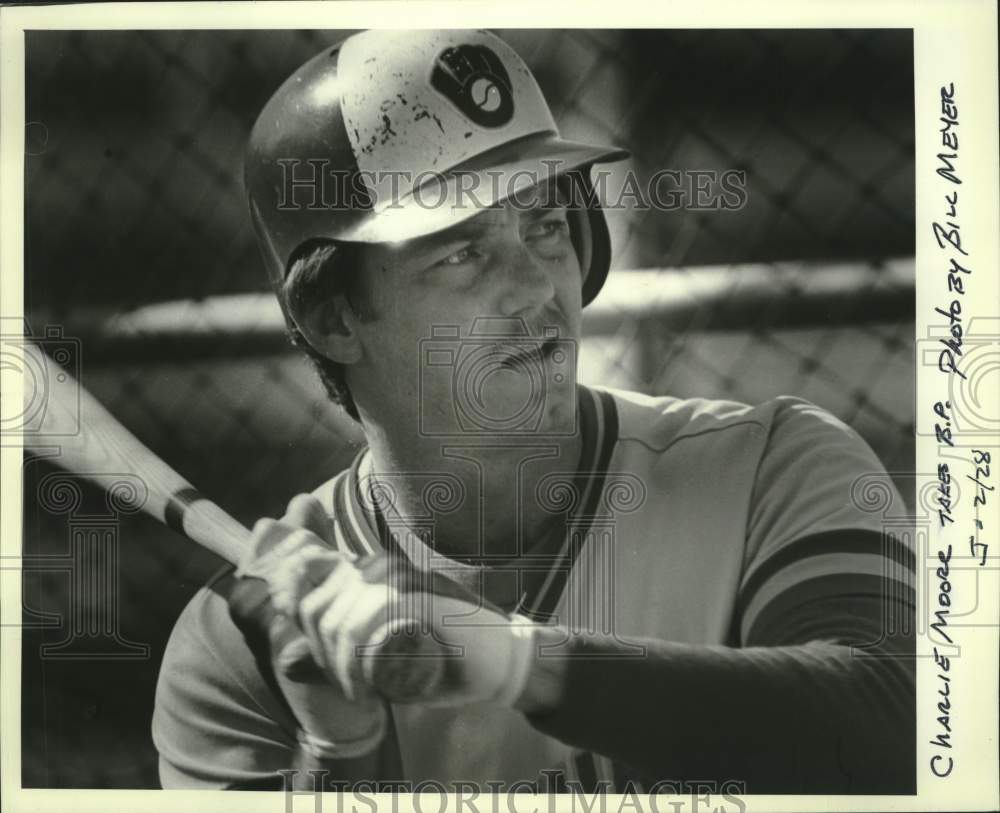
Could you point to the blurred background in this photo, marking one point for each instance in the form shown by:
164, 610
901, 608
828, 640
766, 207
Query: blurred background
138, 245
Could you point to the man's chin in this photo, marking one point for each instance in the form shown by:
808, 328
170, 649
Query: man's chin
511, 404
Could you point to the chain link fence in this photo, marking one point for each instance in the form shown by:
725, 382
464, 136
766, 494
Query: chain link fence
137, 233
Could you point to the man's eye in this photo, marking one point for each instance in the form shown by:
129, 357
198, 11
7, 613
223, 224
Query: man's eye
548, 228
463, 255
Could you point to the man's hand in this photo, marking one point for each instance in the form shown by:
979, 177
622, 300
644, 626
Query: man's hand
379, 621
429, 640
288, 558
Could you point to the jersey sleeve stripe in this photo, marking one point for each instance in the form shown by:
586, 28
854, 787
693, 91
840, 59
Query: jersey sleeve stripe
814, 568
854, 541
772, 616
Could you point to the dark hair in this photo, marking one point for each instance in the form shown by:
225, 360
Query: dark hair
318, 271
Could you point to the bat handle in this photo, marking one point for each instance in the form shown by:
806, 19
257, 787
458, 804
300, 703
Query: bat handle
403, 663
405, 666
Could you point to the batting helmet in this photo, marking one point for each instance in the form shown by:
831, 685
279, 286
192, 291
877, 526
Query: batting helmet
375, 139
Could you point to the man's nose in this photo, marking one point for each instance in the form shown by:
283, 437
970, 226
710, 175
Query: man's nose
526, 279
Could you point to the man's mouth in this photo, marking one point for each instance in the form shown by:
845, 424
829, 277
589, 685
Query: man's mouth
517, 355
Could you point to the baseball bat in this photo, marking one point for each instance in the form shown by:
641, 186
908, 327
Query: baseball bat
94, 444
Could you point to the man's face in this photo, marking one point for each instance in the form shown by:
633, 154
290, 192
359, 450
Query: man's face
473, 330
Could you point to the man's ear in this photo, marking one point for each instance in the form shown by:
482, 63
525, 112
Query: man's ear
330, 326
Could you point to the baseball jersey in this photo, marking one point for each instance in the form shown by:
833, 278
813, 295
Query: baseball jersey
731, 544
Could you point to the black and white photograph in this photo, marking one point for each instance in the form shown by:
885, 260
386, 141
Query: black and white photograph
491, 412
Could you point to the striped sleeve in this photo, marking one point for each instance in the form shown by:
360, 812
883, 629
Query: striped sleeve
793, 704
820, 563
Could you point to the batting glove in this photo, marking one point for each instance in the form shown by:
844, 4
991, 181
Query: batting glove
415, 637
287, 558
380, 625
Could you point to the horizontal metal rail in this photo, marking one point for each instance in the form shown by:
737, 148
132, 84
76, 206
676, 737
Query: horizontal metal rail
771, 296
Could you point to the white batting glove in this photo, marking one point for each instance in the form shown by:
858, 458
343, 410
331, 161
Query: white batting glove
415, 637
379, 624
287, 559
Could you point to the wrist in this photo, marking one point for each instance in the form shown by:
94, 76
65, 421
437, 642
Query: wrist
543, 688
358, 743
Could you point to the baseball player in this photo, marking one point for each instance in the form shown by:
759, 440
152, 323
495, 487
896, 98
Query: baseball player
620, 590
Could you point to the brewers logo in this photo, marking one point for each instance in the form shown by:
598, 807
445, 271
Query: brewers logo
474, 79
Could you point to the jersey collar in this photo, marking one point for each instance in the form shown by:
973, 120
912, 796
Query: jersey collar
361, 528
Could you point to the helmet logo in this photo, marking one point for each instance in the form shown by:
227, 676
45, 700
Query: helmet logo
474, 79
